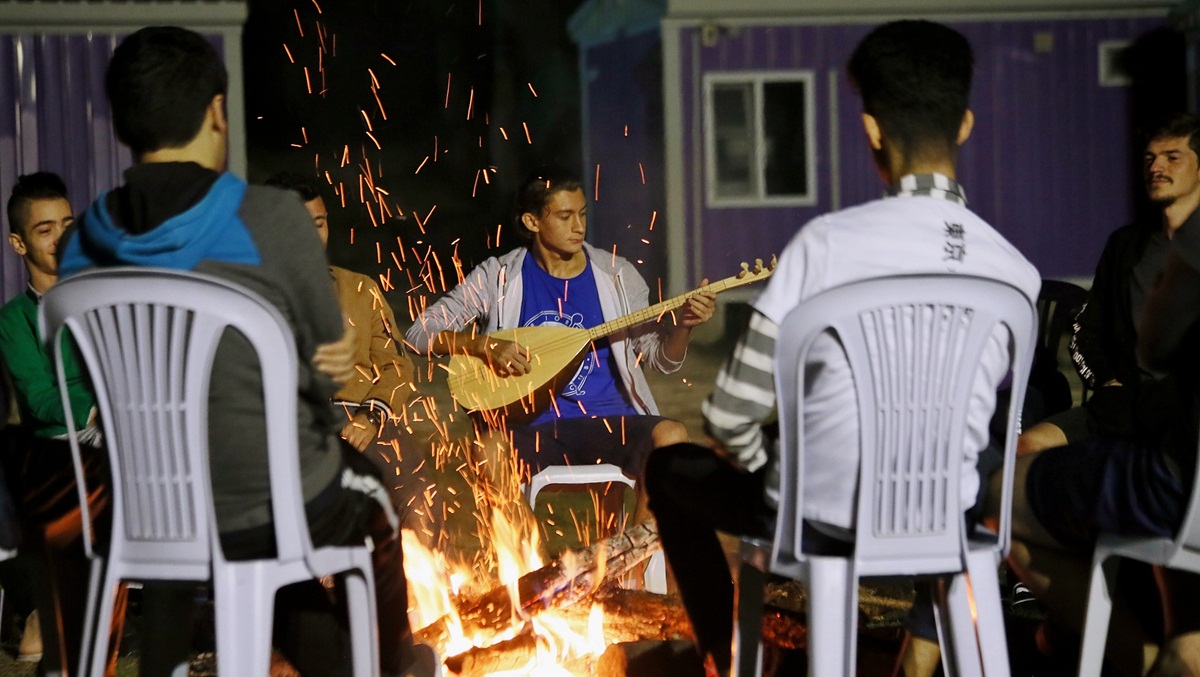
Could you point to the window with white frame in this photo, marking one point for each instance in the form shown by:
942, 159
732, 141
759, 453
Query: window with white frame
759, 131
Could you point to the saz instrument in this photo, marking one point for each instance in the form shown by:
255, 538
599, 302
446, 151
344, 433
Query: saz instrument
554, 348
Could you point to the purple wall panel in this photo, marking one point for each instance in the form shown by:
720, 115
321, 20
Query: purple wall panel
1050, 163
51, 83
625, 93
54, 116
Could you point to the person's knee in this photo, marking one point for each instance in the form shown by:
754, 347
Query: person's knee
669, 432
1039, 438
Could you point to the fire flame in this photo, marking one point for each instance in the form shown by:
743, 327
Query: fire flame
561, 639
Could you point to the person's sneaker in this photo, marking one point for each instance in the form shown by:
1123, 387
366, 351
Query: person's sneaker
30, 650
1023, 598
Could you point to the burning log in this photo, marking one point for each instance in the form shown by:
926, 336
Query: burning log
628, 617
569, 579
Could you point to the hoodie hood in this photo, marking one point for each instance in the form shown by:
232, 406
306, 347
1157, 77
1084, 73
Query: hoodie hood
208, 230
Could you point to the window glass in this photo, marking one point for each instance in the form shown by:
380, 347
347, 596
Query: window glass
785, 143
734, 137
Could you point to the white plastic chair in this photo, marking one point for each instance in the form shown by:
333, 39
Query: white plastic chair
148, 338
655, 579
913, 345
1181, 552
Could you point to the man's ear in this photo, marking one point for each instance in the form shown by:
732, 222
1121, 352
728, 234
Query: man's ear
216, 114
964, 128
530, 222
17, 243
873, 130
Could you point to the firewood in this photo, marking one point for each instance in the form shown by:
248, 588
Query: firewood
572, 577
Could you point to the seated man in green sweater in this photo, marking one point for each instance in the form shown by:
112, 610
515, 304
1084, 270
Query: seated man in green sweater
38, 213
48, 505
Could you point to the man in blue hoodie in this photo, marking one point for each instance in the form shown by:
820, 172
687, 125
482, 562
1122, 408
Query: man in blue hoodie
179, 209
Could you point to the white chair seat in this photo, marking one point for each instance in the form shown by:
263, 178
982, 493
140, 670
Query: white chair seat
655, 579
894, 332
148, 338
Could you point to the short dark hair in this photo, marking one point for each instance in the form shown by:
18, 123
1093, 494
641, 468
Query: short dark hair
915, 78
160, 82
305, 187
535, 192
1179, 126
30, 188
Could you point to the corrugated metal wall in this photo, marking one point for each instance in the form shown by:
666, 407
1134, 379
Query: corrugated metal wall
624, 138
54, 117
1051, 163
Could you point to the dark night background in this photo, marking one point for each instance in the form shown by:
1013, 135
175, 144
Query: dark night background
490, 51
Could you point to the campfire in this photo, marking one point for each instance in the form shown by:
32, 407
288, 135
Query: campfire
540, 619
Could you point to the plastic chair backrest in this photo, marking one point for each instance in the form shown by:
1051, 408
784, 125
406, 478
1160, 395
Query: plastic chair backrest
148, 337
913, 344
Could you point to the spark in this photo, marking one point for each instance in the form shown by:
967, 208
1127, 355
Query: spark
376, 141
435, 147
471, 103
479, 15
476, 185
447, 104
645, 241
642, 171
388, 58
382, 112
626, 130
314, 2
596, 189
532, 89
299, 27
289, 53
485, 178
653, 216
374, 81
504, 134
366, 120
304, 133
421, 165
378, 253
527, 139
307, 81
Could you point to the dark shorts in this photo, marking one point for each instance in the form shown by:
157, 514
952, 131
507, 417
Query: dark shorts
1075, 423
1105, 485
624, 441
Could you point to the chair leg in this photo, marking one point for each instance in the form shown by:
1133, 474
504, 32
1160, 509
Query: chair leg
747, 620
655, 579
245, 605
832, 617
956, 632
1099, 611
988, 631
364, 638
97, 624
